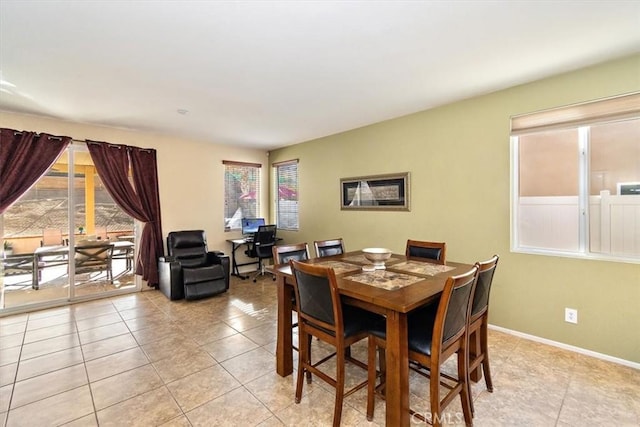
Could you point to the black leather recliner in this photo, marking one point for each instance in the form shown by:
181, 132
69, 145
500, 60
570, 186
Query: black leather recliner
191, 271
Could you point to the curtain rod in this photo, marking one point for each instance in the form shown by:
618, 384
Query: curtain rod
57, 138
86, 141
119, 146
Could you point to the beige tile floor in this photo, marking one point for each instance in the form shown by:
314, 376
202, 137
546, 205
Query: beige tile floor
143, 360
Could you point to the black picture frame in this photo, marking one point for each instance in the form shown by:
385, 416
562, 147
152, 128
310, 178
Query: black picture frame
389, 192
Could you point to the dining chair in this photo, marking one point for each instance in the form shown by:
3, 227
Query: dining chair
101, 233
435, 333
321, 314
479, 320
282, 254
51, 237
94, 256
328, 247
436, 251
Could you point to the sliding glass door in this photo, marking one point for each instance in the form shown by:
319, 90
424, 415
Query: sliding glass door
66, 239
35, 228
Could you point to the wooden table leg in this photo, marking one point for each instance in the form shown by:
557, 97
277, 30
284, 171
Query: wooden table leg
397, 355
284, 349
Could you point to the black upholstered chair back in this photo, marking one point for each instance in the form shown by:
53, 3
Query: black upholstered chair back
295, 255
265, 234
188, 247
263, 240
329, 247
431, 253
428, 250
315, 294
486, 271
455, 301
282, 254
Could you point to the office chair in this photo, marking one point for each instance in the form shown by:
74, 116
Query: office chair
263, 242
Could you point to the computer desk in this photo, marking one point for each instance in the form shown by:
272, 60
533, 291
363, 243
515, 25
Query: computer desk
235, 244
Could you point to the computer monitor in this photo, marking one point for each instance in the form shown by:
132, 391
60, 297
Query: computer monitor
250, 225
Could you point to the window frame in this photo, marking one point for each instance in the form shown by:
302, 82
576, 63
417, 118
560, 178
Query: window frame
581, 117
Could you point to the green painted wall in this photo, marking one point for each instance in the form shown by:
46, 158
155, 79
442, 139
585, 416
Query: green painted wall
458, 157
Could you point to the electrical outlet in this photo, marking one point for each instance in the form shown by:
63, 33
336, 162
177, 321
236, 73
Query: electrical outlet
571, 315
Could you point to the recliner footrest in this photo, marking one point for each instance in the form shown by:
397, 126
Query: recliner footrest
204, 289
202, 274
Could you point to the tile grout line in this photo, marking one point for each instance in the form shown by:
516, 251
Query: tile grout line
15, 375
86, 372
564, 397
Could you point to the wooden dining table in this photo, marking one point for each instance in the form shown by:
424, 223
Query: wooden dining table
406, 284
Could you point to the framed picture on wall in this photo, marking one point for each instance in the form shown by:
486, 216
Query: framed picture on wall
388, 192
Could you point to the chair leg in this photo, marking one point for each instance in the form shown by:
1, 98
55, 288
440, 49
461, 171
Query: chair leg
382, 363
434, 395
309, 376
371, 377
301, 365
337, 411
485, 354
260, 270
483, 358
471, 359
465, 391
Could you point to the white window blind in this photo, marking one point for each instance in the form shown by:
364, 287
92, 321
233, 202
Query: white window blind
287, 195
241, 192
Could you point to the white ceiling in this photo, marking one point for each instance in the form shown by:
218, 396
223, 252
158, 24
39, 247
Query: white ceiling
267, 74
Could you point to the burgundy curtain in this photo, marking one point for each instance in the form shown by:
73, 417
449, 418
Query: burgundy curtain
141, 200
24, 158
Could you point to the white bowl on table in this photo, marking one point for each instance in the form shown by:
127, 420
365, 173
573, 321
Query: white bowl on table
377, 256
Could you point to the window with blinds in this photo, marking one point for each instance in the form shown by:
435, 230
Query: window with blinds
576, 180
286, 179
241, 193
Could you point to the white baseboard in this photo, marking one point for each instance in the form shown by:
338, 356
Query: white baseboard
567, 347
